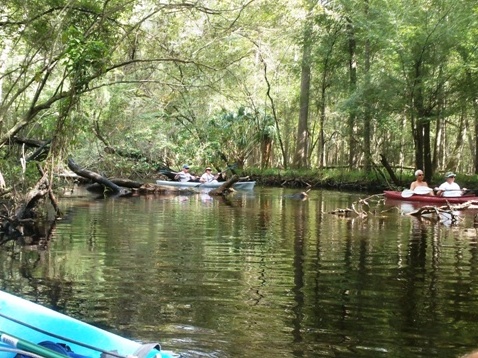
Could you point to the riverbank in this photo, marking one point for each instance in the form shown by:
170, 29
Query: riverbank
341, 179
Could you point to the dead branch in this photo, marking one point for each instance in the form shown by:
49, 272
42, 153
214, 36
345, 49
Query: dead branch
445, 212
361, 207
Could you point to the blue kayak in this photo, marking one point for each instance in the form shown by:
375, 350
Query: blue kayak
37, 331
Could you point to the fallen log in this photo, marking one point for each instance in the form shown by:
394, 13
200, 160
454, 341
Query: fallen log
125, 183
389, 170
113, 188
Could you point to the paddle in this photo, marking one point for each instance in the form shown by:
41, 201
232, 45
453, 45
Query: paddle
233, 166
453, 193
24, 345
420, 190
407, 193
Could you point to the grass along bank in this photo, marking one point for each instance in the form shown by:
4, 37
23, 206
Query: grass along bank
343, 179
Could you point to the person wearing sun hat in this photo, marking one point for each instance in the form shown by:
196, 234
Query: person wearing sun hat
208, 177
450, 188
185, 175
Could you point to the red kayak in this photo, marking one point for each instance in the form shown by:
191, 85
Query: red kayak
397, 195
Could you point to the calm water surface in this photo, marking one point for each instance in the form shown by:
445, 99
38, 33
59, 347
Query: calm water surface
260, 275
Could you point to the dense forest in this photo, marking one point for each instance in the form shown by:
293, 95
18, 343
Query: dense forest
130, 86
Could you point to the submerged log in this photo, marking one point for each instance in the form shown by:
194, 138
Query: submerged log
149, 188
225, 188
298, 196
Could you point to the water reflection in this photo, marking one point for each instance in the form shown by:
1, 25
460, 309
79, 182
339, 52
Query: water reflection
258, 274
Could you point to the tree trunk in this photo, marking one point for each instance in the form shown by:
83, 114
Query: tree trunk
302, 144
266, 150
367, 130
475, 108
389, 170
322, 119
454, 157
421, 129
474, 101
352, 88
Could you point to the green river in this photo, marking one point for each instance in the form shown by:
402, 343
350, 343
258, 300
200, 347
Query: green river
259, 275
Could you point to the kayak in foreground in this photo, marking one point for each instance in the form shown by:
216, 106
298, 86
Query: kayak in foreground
41, 332
397, 195
240, 185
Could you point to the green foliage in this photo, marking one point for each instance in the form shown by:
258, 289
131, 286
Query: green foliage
83, 57
16, 176
183, 82
236, 134
318, 177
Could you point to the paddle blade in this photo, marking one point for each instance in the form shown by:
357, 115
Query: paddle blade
407, 193
422, 190
452, 193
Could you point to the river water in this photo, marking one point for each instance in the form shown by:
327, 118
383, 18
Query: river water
259, 275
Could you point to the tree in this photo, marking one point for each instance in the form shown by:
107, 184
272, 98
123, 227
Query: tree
302, 143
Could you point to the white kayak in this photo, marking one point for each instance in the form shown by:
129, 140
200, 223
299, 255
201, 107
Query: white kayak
240, 185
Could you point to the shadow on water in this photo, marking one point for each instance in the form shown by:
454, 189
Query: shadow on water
257, 274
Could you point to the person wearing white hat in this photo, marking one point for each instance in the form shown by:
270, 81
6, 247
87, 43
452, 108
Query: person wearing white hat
449, 188
208, 177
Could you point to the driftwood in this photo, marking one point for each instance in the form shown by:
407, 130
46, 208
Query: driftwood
26, 224
40, 190
444, 212
36, 193
360, 208
113, 188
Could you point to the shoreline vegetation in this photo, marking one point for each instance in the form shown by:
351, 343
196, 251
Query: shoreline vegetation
347, 180
21, 224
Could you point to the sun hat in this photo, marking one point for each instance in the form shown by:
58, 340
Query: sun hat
208, 168
185, 166
450, 175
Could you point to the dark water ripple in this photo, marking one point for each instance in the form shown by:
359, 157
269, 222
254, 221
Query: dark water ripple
259, 275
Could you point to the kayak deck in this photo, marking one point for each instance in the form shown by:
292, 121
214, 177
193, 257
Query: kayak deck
397, 195
31, 324
240, 185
